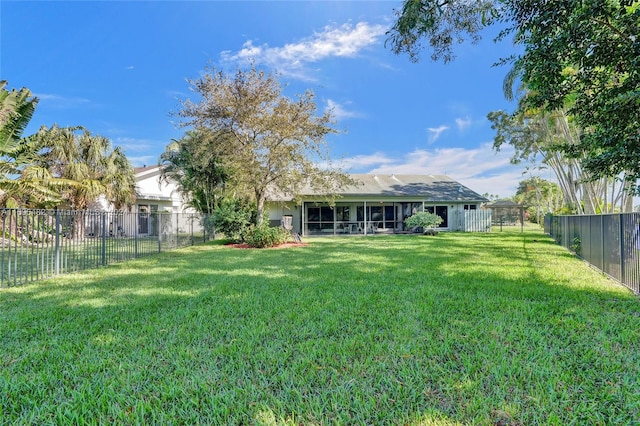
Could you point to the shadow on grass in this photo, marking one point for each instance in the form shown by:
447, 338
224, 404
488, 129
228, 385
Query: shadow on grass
468, 328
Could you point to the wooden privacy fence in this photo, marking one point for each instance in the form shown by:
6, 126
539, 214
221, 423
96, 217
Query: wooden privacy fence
609, 242
37, 244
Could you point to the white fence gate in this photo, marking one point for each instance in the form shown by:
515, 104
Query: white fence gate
477, 221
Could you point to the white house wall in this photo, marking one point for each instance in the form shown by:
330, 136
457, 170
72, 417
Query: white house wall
154, 191
276, 211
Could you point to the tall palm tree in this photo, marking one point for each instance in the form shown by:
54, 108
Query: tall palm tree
191, 162
22, 183
89, 166
16, 109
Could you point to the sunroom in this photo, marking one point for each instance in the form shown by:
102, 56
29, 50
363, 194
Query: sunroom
379, 204
365, 217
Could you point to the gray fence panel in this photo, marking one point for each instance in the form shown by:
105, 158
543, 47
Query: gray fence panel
37, 244
611, 245
596, 242
631, 245
609, 242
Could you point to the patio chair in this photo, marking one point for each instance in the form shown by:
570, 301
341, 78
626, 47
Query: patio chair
372, 227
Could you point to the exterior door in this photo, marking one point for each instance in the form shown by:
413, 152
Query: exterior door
441, 211
143, 220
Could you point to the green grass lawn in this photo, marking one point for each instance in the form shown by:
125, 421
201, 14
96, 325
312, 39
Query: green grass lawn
501, 328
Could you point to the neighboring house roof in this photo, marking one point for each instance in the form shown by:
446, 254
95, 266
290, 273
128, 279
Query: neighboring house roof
143, 169
426, 187
503, 203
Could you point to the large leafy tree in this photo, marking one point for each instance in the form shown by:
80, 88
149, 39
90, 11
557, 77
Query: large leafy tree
266, 140
194, 166
584, 50
539, 196
590, 53
538, 138
441, 23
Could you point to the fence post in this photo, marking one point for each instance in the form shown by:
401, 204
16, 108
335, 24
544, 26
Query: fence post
57, 249
622, 253
602, 238
5, 243
103, 249
135, 234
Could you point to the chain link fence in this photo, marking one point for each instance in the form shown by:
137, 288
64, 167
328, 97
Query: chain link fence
609, 242
37, 244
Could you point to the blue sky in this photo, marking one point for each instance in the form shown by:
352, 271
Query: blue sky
119, 68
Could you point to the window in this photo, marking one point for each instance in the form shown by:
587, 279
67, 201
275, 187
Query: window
441, 211
313, 214
376, 214
388, 213
319, 219
470, 206
342, 214
326, 214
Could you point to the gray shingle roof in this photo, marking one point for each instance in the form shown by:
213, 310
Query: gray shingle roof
427, 187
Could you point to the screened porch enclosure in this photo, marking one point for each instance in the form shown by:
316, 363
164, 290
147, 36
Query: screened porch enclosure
367, 217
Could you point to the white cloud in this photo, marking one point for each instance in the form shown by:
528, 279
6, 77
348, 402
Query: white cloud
339, 111
481, 169
345, 40
463, 123
177, 94
435, 132
62, 102
144, 160
137, 144
361, 162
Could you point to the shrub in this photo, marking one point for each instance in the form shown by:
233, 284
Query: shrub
261, 236
576, 246
423, 220
233, 218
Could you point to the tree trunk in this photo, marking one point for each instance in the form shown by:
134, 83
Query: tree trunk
78, 225
260, 207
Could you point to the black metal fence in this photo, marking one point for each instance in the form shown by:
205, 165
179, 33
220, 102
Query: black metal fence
37, 244
609, 242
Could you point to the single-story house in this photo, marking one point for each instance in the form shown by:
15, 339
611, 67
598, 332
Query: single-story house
380, 204
156, 195
376, 204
